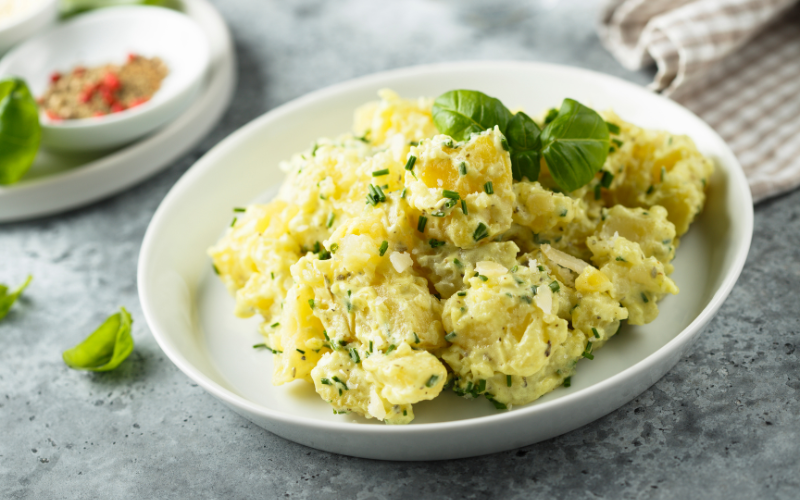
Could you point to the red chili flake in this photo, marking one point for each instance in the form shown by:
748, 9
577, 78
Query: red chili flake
55, 76
107, 96
117, 107
111, 81
53, 116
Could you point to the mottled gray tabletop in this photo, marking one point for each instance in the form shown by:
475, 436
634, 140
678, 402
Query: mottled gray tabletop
724, 423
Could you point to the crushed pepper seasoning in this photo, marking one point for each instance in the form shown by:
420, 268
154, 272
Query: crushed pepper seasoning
90, 92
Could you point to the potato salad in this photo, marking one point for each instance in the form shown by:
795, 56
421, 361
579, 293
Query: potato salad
450, 244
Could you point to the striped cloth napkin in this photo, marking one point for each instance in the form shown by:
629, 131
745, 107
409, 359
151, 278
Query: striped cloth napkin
734, 63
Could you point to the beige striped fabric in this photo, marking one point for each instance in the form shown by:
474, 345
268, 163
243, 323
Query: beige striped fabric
735, 63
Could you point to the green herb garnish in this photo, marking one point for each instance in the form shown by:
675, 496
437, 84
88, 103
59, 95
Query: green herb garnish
20, 132
379, 173
8, 299
644, 298
607, 179
391, 348
462, 168
384, 246
595, 332
612, 128
435, 243
354, 355
105, 348
508, 380
453, 195
587, 353
432, 381
421, 223
481, 232
331, 217
311, 303
554, 286
488, 188
410, 163
450, 336
567, 381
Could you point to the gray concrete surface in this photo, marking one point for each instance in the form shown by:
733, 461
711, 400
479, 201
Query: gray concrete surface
724, 423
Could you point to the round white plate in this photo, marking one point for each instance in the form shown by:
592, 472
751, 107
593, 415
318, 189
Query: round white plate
191, 315
59, 182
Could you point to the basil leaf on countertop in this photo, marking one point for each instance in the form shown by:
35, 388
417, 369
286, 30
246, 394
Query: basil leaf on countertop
104, 349
7, 299
459, 113
523, 138
575, 145
20, 132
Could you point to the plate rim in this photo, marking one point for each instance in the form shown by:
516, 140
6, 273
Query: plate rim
218, 91
671, 348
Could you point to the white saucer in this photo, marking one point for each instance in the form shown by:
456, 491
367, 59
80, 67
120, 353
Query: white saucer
59, 182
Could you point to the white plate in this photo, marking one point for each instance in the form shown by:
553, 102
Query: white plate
191, 315
59, 182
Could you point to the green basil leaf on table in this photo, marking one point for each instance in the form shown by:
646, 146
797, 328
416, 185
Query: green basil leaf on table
575, 145
459, 113
104, 349
523, 138
19, 130
7, 299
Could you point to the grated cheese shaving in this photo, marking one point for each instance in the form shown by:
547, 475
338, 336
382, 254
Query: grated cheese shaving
400, 261
490, 269
544, 299
564, 259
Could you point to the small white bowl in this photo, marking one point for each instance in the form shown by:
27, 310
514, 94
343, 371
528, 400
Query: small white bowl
27, 24
108, 36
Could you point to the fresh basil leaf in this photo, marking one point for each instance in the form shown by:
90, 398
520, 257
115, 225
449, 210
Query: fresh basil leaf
104, 349
19, 130
575, 145
459, 113
7, 299
523, 137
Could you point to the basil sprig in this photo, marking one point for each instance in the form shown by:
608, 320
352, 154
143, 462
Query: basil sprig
19, 130
574, 144
106, 347
7, 299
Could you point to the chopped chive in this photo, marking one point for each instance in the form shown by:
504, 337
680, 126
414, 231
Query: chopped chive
370, 346
300, 351
405, 413
403, 193
450, 336
336, 379
379, 173
650, 189
482, 277
458, 263
453, 195
438, 214
567, 381
322, 197
554, 286
448, 143
535, 289
314, 149
432, 381
272, 275
612, 149
588, 352
597, 192
612, 128
607, 178
541, 268
239, 209
390, 349
481, 386
508, 380
260, 346
215, 268
644, 298
311, 303
462, 168
233, 222
416, 338
354, 355
411, 161
317, 247
462, 294
276, 324
564, 212
663, 173
539, 241
435, 243
464, 207
596, 334
384, 247
497, 404
620, 259
334, 247
325, 381
324, 255
488, 188
515, 268
617, 142
331, 217
421, 224
504, 143
527, 299
481, 232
